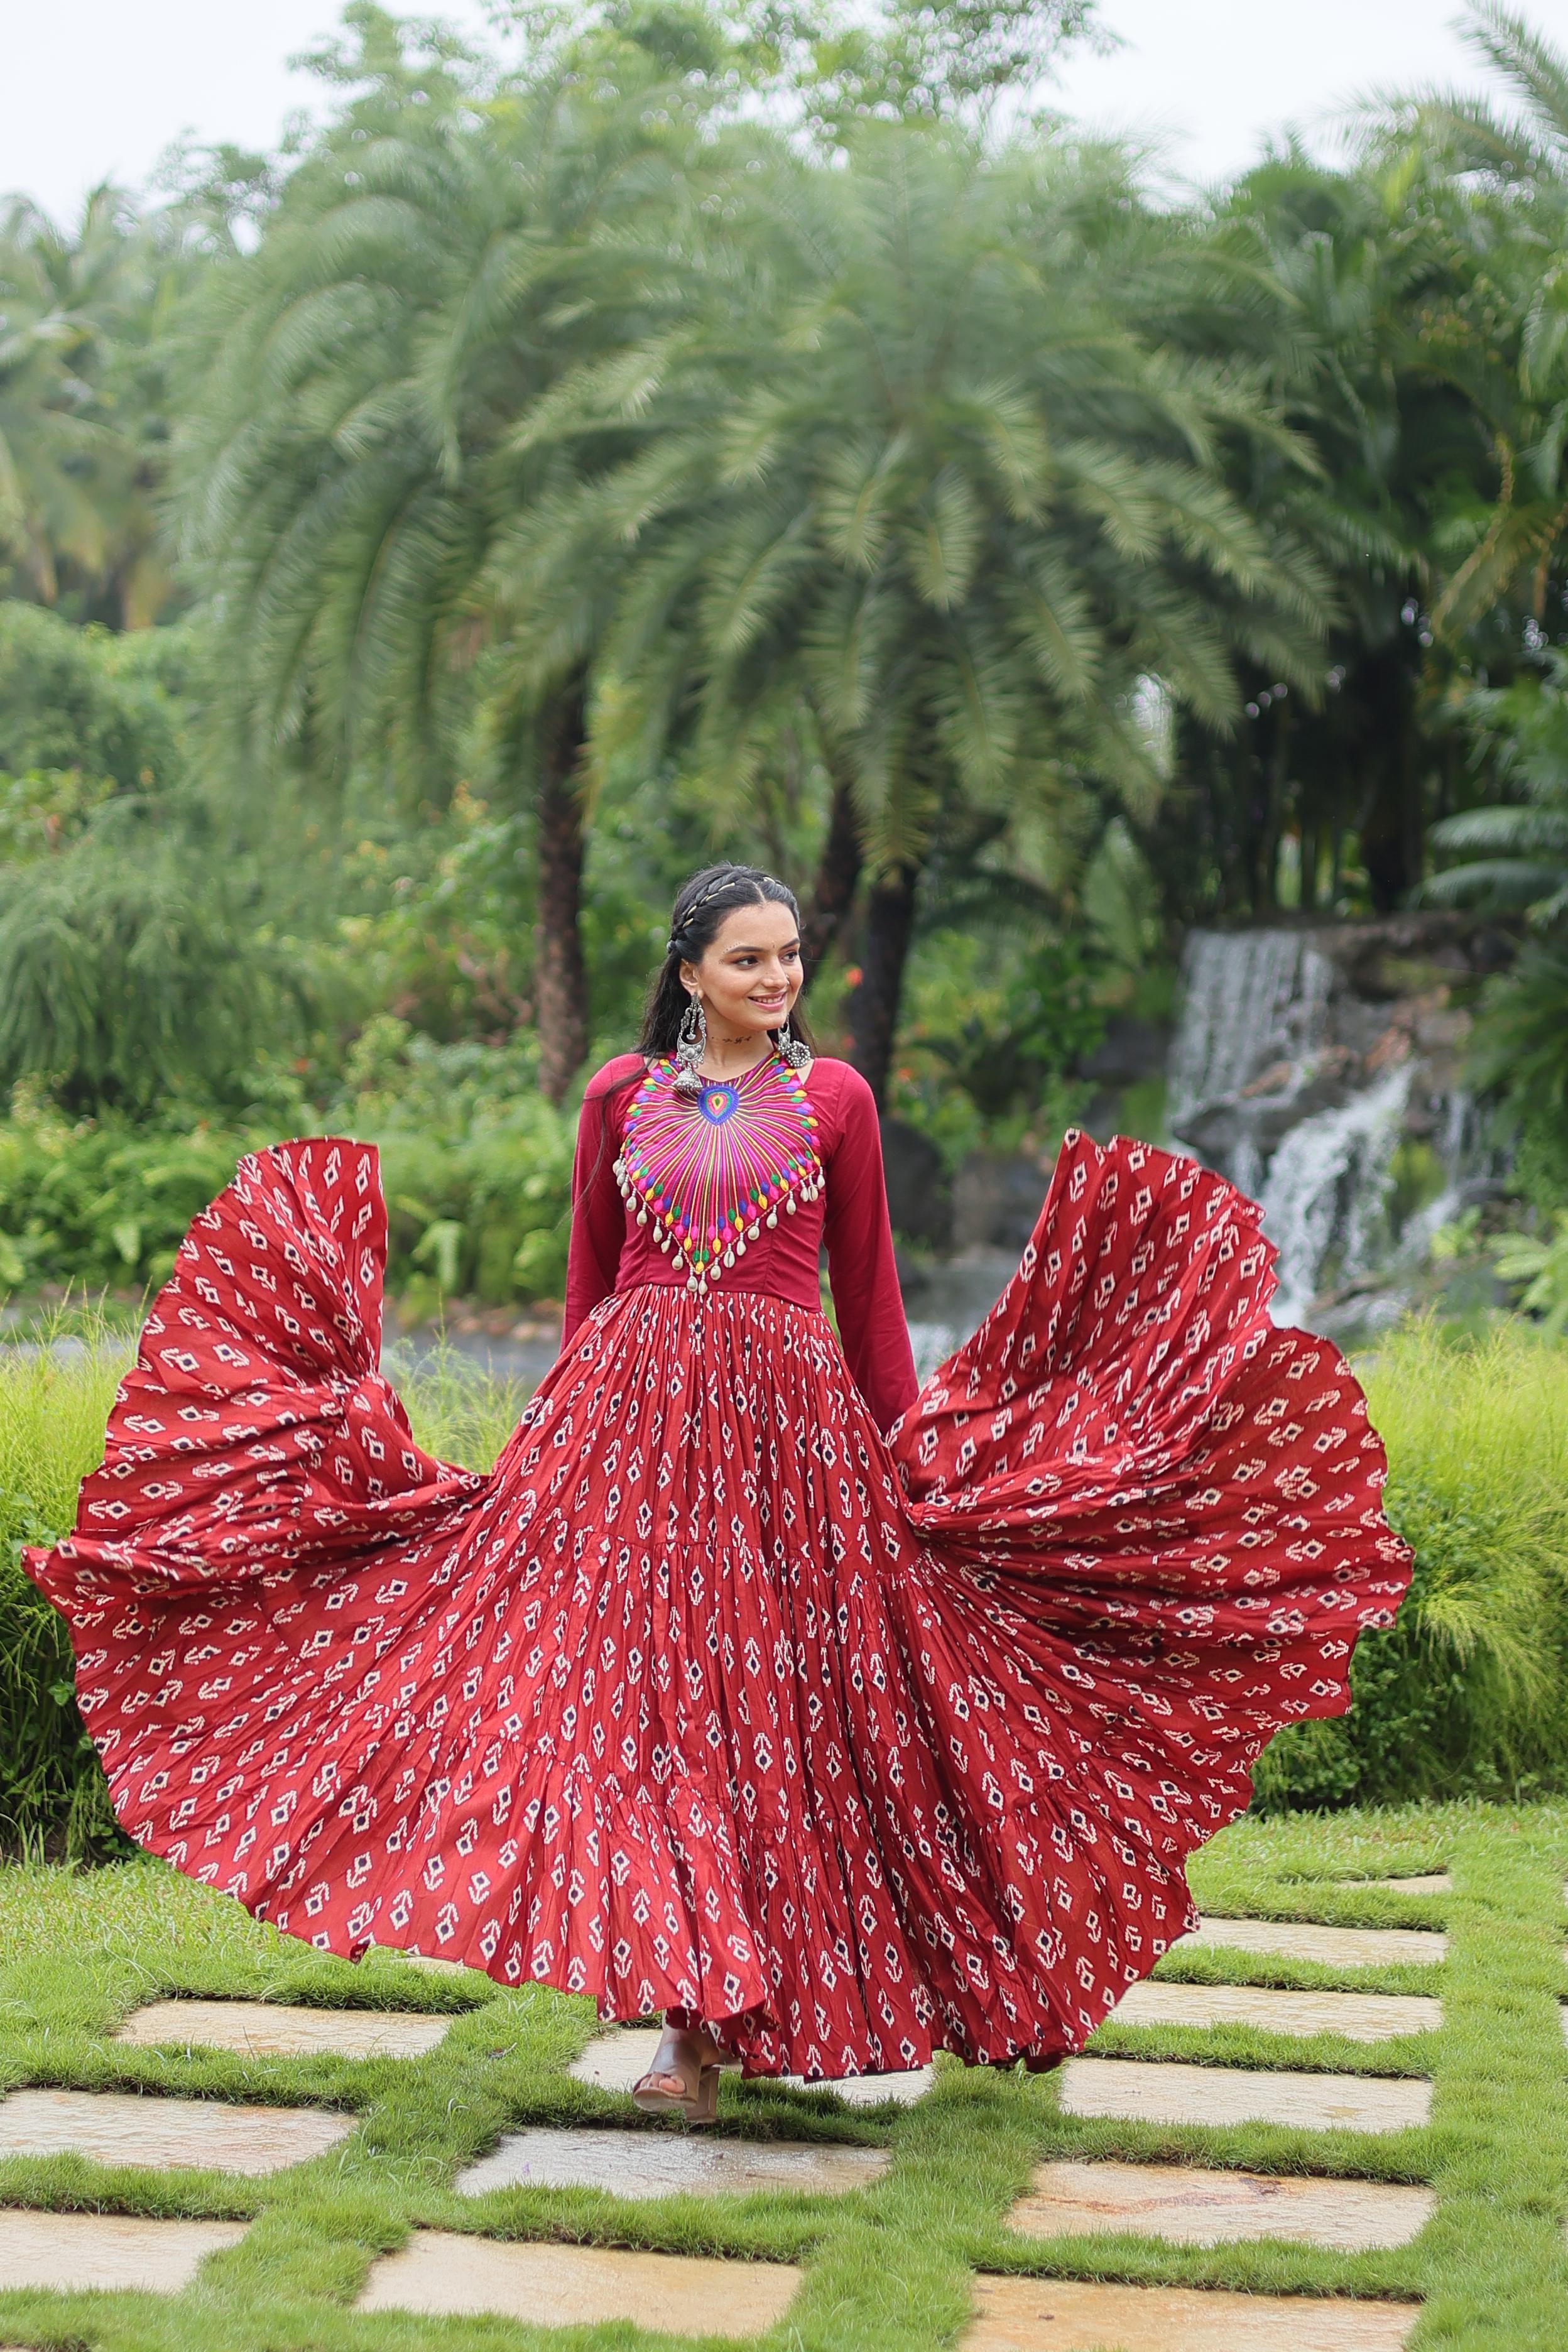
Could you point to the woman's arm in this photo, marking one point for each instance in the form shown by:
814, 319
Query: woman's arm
598, 1212
866, 1296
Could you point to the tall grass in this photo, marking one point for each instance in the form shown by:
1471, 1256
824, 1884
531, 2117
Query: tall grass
1467, 1694
52, 1412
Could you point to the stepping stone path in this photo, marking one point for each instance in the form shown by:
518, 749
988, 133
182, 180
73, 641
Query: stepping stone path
1196, 2208
1156, 2092
666, 2164
1336, 1948
1431, 1882
1360, 2016
110, 2127
545, 2284
83, 2251
615, 2061
1020, 2315
566, 2286
264, 2029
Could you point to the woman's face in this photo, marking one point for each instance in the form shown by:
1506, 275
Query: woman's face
749, 975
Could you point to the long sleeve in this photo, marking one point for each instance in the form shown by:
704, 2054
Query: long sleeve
866, 1296
598, 1212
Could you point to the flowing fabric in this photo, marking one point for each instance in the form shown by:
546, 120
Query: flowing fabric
709, 1696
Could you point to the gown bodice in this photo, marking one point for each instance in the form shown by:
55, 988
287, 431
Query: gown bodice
814, 1181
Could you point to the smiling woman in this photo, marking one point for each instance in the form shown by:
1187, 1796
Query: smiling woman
838, 1722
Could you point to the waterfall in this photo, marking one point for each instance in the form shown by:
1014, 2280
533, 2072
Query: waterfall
1297, 1071
1251, 999
1329, 1181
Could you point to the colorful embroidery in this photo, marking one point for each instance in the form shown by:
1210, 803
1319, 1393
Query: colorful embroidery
708, 1174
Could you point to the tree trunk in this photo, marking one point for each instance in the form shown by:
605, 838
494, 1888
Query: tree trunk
838, 875
560, 981
874, 1007
1391, 828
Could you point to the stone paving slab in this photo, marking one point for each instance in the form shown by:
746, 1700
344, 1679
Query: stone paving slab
1195, 2207
1360, 2016
111, 2127
1017, 2315
670, 2163
615, 2061
566, 2286
1301, 1940
1153, 2092
1428, 1882
77, 2251
265, 2028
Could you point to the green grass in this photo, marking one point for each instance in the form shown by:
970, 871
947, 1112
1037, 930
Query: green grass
887, 2269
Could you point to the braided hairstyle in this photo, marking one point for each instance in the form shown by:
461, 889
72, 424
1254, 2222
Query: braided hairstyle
700, 907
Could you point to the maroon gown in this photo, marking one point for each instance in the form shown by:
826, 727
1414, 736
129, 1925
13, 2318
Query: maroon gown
749, 1683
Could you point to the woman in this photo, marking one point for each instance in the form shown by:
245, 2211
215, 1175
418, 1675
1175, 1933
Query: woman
839, 1723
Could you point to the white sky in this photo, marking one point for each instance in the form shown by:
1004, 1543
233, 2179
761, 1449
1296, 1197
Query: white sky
93, 89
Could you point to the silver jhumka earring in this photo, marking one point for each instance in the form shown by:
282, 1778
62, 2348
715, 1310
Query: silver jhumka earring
690, 1047
789, 1048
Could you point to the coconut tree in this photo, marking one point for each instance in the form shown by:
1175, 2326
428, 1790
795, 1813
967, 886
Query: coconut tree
450, 246
916, 469
67, 474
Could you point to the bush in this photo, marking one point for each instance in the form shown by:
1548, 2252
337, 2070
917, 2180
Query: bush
52, 1791
476, 1165
1467, 1694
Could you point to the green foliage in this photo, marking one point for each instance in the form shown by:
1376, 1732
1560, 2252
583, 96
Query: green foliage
475, 1164
103, 1202
52, 1793
1520, 1045
1469, 1691
1523, 849
69, 700
995, 1028
126, 980
1541, 1264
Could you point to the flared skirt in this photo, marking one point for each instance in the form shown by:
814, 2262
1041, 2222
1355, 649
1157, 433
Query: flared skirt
707, 1696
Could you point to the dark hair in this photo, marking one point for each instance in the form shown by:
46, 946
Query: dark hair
700, 907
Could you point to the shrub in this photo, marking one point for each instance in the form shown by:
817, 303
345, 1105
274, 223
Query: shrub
125, 979
476, 1165
52, 1792
1467, 1694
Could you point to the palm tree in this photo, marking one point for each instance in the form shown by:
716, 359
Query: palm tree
446, 249
1502, 338
64, 474
1323, 278
915, 470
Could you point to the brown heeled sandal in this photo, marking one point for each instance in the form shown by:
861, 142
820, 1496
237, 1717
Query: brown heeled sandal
698, 2101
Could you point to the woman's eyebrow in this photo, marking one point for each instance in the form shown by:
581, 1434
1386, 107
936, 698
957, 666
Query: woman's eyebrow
762, 950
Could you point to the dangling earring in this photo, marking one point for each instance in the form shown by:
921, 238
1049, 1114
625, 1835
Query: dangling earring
790, 1049
690, 1047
